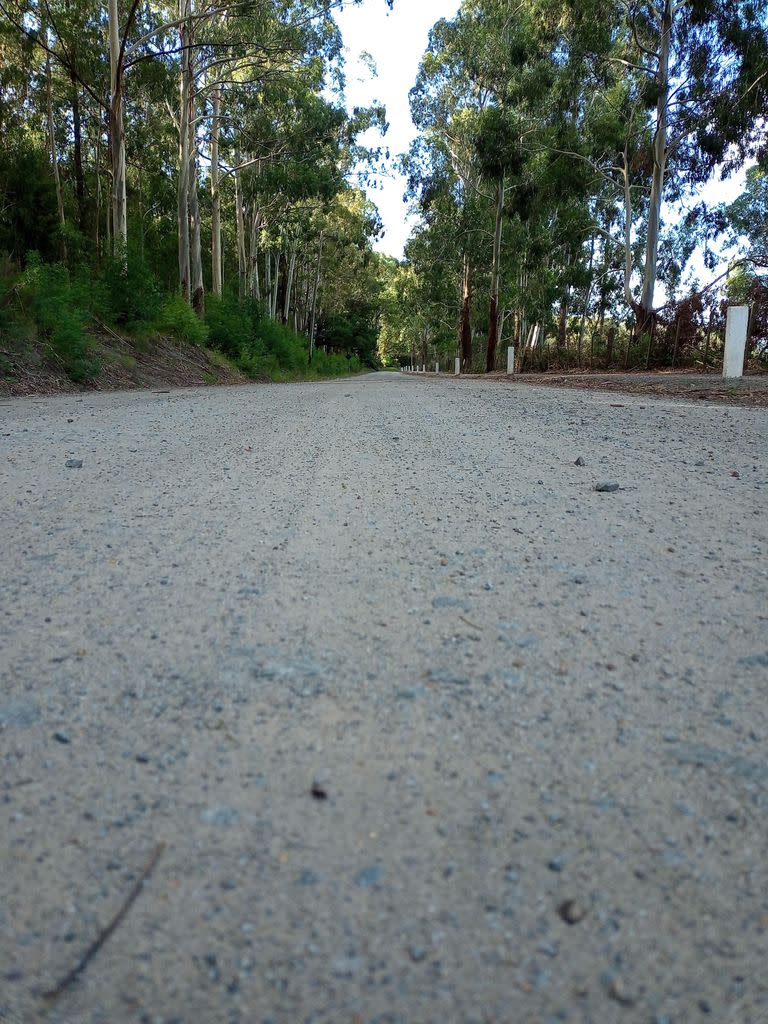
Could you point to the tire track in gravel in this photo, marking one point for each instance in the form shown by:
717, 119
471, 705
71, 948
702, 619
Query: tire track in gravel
514, 690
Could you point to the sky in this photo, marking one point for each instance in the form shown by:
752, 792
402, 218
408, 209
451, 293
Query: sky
396, 41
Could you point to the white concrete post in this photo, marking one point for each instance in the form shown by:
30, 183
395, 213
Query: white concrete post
423, 368
437, 367
457, 371
736, 327
511, 359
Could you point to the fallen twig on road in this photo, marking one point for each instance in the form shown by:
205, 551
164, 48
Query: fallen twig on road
478, 628
105, 933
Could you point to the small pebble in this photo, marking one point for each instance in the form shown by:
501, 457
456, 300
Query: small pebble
368, 876
61, 737
221, 817
607, 488
308, 877
619, 994
74, 464
571, 912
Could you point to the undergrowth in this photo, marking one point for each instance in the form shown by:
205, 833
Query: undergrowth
49, 306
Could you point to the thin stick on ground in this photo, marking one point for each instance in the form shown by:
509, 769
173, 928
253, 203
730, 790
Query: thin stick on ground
105, 933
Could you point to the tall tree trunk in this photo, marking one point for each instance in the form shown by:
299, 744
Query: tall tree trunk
254, 284
645, 313
240, 228
196, 250
289, 282
77, 155
315, 288
97, 234
216, 262
493, 312
587, 297
609, 345
277, 283
117, 137
182, 195
562, 322
465, 324
306, 300
54, 154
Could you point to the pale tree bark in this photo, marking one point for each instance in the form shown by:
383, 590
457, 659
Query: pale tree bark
77, 153
196, 252
465, 325
587, 297
117, 136
628, 296
660, 152
268, 280
182, 195
54, 154
315, 290
97, 236
240, 228
275, 288
307, 300
493, 313
562, 322
216, 261
289, 282
254, 281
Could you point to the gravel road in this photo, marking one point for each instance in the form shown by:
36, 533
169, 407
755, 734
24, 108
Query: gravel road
534, 715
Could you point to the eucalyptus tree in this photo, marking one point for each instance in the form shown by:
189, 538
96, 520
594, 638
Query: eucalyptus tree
687, 85
444, 176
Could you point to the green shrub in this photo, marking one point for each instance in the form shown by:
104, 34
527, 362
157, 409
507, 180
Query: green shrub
133, 298
251, 365
46, 294
230, 325
334, 364
180, 320
287, 350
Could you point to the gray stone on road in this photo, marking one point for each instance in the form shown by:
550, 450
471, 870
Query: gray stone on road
540, 711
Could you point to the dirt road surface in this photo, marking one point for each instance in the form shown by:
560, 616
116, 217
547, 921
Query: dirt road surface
534, 715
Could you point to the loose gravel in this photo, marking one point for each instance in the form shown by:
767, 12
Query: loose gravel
432, 729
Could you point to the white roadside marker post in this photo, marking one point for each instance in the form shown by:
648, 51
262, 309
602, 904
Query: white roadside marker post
423, 368
437, 367
510, 360
457, 371
736, 326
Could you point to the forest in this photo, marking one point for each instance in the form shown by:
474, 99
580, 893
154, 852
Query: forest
193, 171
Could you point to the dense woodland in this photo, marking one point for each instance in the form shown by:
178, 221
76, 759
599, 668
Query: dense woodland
561, 149
193, 170
190, 170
